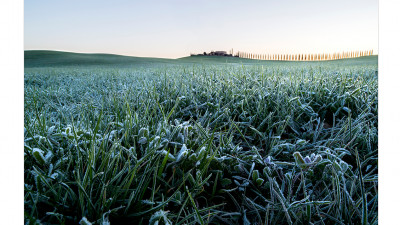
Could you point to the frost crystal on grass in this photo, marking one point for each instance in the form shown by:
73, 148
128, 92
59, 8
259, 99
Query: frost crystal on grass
38, 155
182, 153
84, 221
304, 162
143, 132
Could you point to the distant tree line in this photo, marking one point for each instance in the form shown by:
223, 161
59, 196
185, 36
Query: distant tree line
305, 57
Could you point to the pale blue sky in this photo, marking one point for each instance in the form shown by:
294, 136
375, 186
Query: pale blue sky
175, 28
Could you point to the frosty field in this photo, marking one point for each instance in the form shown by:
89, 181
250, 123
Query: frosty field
199, 140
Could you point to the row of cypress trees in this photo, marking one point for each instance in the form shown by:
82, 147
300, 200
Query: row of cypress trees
306, 57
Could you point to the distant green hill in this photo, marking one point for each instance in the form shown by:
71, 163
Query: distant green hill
39, 58
44, 58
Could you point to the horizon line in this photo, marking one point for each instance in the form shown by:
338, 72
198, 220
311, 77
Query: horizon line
189, 55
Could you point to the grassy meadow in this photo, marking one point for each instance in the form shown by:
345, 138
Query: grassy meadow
199, 140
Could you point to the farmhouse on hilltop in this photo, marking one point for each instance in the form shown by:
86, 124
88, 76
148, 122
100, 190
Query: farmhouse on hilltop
217, 53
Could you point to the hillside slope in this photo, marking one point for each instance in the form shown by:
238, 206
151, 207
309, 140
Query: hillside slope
44, 58
39, 58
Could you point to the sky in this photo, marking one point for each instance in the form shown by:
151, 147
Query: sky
176, 28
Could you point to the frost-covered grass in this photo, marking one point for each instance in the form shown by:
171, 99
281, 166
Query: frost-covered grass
198, 144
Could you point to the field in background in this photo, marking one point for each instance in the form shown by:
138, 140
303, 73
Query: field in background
199, 140
38, 58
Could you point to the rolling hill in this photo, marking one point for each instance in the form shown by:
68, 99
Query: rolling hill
46, 58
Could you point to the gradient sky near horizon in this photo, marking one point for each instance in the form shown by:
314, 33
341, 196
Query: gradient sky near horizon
176, 28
